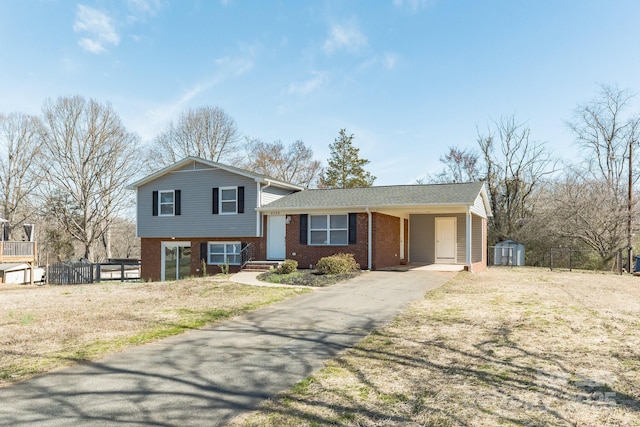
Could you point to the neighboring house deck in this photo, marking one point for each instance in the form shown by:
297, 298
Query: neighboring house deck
198, 213
18, 252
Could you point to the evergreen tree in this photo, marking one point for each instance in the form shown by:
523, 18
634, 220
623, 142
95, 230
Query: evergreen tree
345, 168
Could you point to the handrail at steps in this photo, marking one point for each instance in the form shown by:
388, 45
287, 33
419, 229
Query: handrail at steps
246, 254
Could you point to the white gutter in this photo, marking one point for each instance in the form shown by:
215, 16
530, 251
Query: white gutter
369, 236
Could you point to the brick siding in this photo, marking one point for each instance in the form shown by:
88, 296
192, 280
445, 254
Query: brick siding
385, 252
151, 255
386, 237
309, 255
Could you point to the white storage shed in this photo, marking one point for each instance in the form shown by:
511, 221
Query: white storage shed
509, 252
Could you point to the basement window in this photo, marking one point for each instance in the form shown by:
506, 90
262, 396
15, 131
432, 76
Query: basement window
224, 253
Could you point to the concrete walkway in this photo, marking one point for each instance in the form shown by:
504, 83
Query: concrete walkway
207, 377
251, 278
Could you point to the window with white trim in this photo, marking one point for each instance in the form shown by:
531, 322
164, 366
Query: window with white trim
166, 205
229, 200
224, 253
328, 229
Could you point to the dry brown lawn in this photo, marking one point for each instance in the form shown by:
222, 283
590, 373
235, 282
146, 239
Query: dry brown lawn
520, 347
48, 327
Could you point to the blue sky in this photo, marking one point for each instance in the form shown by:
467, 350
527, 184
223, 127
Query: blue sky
408, 78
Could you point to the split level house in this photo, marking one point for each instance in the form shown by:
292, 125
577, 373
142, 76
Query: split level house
197, 212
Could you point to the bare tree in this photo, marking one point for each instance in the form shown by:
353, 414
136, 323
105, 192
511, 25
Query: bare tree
293, 163
607, 135
205, 132
514, 167
580, 210
20, 138
87, 158
459, 166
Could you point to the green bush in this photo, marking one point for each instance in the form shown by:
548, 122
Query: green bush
288, 266
337, 264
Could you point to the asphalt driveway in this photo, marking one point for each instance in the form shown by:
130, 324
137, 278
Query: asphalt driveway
207, 377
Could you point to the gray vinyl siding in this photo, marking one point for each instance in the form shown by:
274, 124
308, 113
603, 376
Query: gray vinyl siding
422, 239
478, 207
271, 194
191, 166
476, 239
197, 219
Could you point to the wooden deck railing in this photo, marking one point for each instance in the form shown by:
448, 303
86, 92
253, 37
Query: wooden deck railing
17, 251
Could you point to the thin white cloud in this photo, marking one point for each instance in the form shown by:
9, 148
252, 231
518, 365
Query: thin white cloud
91, 45
344, 36
413, 5
235, 66
146, 7
162, 114
307, 86
97, 29
159, 116
389, 60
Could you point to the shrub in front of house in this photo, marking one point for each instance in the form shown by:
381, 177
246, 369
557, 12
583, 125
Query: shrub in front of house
288, 266
337, 264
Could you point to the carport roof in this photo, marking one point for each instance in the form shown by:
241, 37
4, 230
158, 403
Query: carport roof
394, 196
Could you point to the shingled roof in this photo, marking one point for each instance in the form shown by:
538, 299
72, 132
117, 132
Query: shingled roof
380, 197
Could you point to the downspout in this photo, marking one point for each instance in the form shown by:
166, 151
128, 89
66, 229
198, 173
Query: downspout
369, 237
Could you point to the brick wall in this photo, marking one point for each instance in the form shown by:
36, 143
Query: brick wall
151, 255
386, 237
406, 242
150, 259
309, 255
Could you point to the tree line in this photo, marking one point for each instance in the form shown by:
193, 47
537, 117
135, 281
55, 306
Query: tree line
541, 201
66, 170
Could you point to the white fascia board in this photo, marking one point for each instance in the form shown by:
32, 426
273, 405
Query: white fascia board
435, 208
213, 165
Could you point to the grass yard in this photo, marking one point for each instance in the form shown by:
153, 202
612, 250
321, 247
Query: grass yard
48, 327
515, 347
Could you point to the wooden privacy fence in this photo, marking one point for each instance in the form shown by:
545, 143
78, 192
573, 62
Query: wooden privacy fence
69, 273
76, 273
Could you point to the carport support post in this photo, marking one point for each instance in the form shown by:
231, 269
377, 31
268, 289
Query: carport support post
469, 245
369, 236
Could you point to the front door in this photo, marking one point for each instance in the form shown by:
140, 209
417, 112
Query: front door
176, 260
276, 232
446, 240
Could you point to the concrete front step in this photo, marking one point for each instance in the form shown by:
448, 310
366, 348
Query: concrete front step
260, 265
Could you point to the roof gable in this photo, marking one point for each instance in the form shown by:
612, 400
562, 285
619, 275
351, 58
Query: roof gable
196, 163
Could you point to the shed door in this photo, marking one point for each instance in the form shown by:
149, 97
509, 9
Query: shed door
445, 240
276, 231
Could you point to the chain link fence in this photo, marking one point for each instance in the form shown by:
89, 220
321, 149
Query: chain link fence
560, 258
